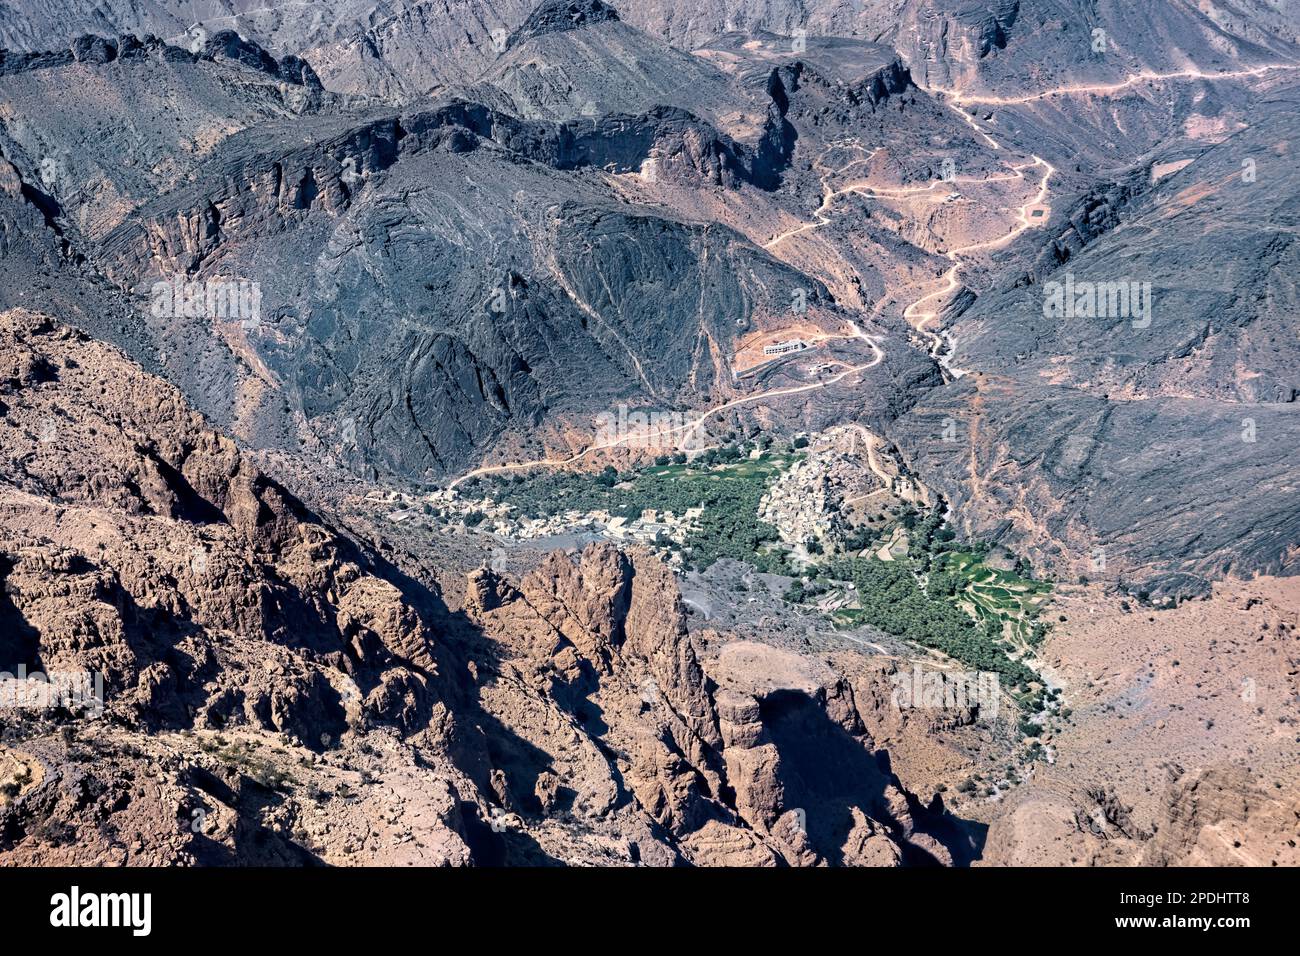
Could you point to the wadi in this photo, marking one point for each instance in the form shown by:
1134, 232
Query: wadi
648, 434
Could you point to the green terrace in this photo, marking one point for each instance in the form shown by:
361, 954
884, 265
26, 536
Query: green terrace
945, 595
892, 598
995, 597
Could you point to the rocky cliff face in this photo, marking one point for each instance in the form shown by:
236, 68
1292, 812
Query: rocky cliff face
139, 546
1222, 817
172, 107
142, 545
747, 755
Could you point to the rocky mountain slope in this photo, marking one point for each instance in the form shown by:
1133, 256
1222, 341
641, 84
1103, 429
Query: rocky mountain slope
1180, 751
571, 59
1036, 256
972, 44
1119, 431
140, 545
459, 242
452, 247
250, 653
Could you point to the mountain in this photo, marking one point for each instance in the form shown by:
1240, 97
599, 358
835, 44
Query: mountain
144, 115
453, 246
1129, 432
435, 213
556, 434
964, 44
142, 546
573, 59
283, 683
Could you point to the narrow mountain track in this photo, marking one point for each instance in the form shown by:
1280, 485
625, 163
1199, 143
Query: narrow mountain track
920, 312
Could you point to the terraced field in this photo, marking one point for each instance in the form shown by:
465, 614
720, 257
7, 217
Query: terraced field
999, 596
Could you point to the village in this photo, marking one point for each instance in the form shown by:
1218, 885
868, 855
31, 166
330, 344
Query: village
813, 502
652, 528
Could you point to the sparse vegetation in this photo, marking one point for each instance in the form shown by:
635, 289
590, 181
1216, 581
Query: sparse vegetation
240, 756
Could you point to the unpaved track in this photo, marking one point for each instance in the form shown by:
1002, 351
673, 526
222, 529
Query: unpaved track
949, 282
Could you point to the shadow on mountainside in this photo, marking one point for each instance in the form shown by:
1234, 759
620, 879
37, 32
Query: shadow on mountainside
827, 772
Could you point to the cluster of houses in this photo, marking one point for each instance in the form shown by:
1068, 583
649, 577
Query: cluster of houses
651, 527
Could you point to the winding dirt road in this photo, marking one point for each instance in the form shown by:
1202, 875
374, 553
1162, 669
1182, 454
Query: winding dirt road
950, 280
917, 313
948, 283
689, 429
1105, 89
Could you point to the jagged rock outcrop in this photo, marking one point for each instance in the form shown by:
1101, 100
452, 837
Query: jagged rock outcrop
139, 544
754, 754
586, 604
225, 45
206, 630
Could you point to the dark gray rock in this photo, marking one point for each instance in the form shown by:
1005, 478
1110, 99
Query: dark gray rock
558, 16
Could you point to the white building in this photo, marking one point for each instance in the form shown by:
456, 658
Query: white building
783, 348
